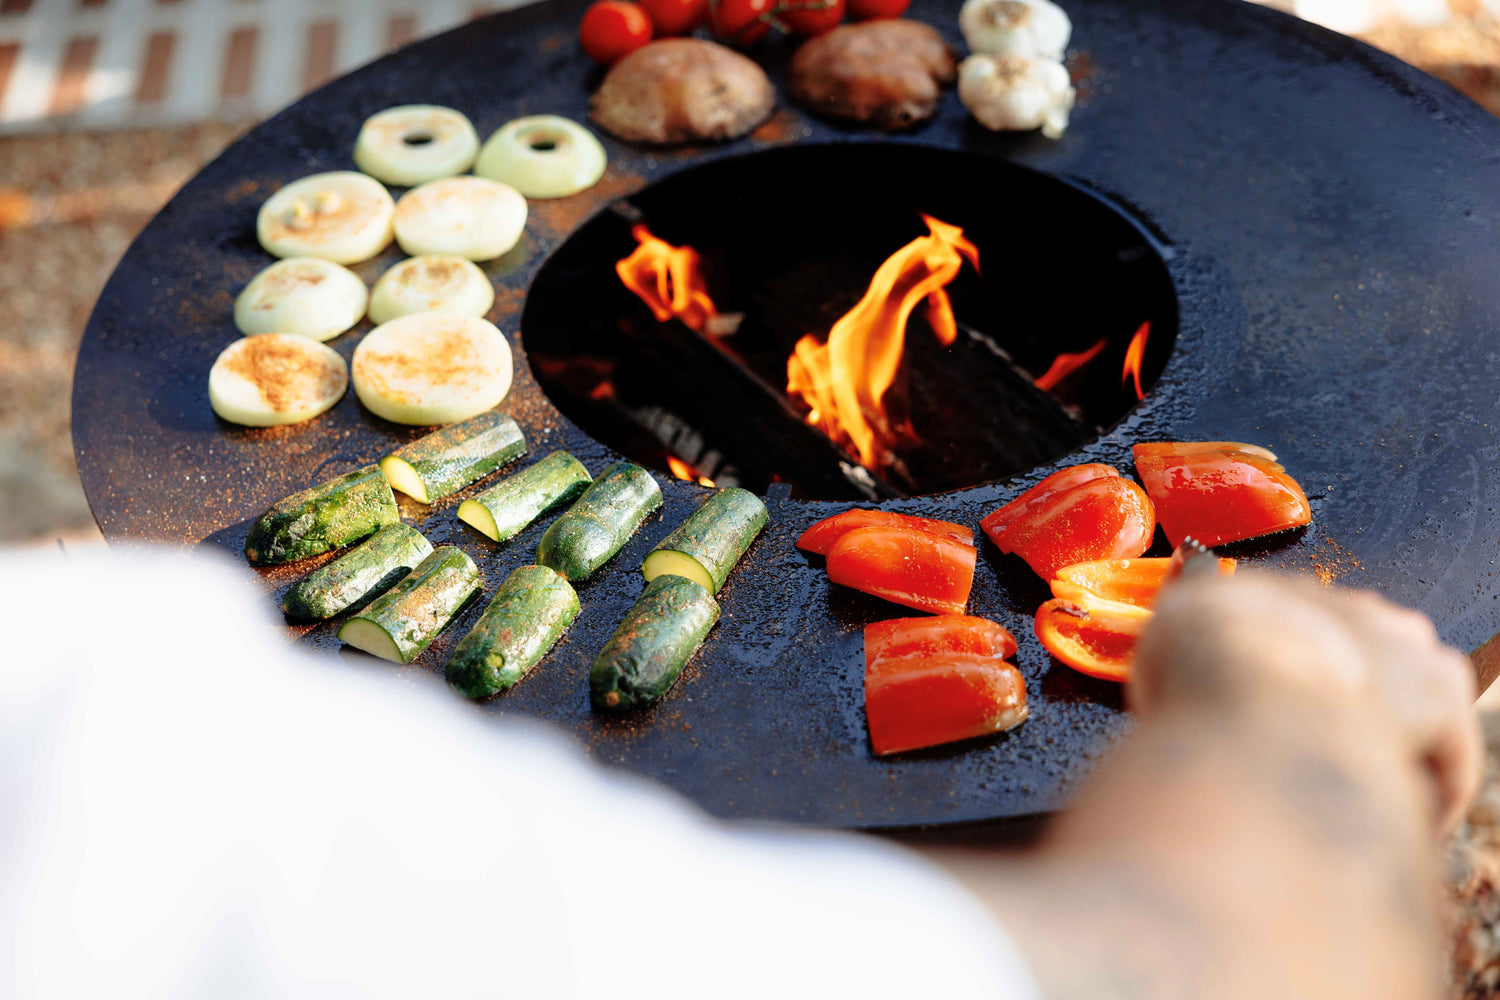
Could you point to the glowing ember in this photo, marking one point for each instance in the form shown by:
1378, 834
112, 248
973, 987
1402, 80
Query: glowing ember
682, 470
1066, 364
668, 279
844, 380
1134, 355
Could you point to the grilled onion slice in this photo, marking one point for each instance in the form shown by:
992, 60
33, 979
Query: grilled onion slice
342, 216
415, 143
431, 283
308, 296
271, 379
543, 156
460, 216
432, 368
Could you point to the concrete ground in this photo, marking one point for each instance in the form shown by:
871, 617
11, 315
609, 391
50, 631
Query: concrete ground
70, 204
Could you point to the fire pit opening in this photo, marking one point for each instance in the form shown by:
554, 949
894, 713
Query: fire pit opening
856, 320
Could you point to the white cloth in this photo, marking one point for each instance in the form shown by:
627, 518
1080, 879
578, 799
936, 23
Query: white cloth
190, 807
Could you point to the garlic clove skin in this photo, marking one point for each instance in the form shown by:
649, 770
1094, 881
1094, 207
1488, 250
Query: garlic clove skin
1036, 28
1017, 93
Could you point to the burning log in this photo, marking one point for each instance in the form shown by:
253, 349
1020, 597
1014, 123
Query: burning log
980, 416
749, 421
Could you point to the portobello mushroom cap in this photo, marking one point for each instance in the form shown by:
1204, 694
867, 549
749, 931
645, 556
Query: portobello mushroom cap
888, 73
682, 90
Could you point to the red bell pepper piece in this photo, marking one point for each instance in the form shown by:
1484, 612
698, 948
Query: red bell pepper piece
936, 680
1102, 517
819, 538
1035, 498
938, 635
1219, 491
927, 572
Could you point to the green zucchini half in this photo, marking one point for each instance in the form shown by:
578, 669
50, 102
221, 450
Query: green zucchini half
406, 618
590, 532
706, 546
645, 656
324, 517
525, 618
447, 460
503, 511
365, 571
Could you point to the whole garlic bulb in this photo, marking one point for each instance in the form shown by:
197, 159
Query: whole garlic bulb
1015, 27
1016, 92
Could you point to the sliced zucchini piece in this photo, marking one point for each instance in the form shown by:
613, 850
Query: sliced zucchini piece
324, 517
405, 619
532, 608
590, 532
503, 511
360, 574
446, 461
645, 656
706, 546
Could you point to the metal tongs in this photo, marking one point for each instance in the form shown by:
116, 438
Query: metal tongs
1192, 559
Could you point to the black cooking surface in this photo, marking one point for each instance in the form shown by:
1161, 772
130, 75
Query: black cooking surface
1332, 219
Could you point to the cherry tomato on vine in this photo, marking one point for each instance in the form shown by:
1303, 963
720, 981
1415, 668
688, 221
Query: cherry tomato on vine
740, 22
811, 17
872, 10
612, 29
675, 17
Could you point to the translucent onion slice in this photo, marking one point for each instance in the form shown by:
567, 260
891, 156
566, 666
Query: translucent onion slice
342, 216
431, 283
462, 217
271, 379
543, 156
432, 368
415, 143
308, 296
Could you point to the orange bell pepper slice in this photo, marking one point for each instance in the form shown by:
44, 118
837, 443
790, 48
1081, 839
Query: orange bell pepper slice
819, 538
1219, 491
1094, 636
1130, 581
930, 681
1102, 517
1099, 610
912, 568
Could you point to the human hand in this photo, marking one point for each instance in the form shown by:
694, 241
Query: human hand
1259, 638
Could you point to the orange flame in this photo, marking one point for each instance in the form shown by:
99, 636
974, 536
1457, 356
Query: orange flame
1066, 364
1134, 355
682, 470
667, 279
844, 380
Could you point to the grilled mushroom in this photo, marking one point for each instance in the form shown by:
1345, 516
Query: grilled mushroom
682, 90
888, 73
